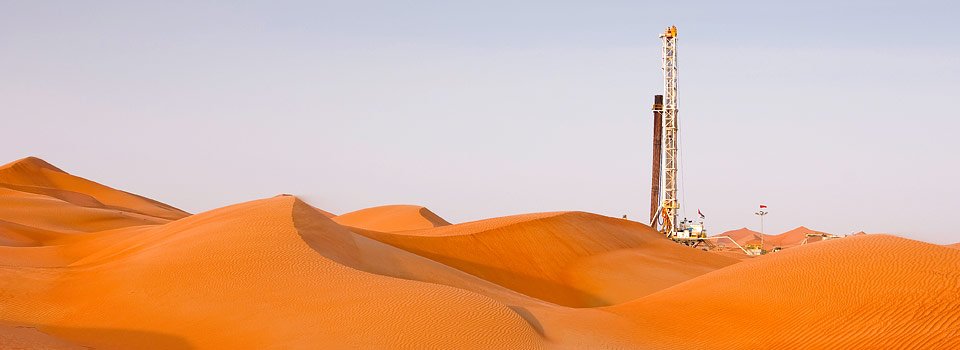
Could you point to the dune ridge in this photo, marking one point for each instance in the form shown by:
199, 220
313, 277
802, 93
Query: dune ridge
41, 202
254, 251
392, 218
569, 258
34, 173
788, 239
86, 266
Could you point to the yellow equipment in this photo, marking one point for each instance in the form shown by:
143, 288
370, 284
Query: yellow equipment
670, 32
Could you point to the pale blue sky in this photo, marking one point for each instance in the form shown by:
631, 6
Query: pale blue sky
840, 117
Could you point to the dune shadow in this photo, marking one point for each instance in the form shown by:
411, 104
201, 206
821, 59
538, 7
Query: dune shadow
117, 338
339, 244
529, 317
538, 288
530, 286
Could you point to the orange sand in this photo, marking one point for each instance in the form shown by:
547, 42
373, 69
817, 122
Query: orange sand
23, 337
86, 266
792, 238
863, 292
568, 258
392, 218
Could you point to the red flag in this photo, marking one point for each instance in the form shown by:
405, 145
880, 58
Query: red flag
701, 214
763, 206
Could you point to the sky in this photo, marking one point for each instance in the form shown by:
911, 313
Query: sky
837, 116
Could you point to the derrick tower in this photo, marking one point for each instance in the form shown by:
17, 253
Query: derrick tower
670, 130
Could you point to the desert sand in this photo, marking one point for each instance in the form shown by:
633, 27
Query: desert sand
788, 239
392, 218
83, 265
867, 292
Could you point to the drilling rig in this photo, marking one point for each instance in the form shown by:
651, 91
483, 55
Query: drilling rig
666, 133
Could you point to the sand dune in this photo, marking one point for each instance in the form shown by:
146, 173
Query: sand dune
245, 267
392, 218
741, 235
40, 200
788, 239
86, 266
865, 292
569, 258
955, 245
794, 237
18, 235
34, 173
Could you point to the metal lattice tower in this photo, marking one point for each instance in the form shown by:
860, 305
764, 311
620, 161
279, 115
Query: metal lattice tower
670, 130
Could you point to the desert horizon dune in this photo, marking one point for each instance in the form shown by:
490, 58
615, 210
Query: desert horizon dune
392, 218
33, 173
83, 265
787, 239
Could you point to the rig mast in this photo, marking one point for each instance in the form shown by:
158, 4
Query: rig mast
669, 124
